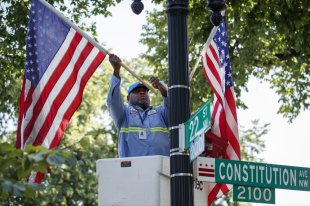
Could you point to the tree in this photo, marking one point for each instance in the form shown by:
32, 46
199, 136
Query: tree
89, 137
259, 49
17, 164
267, 40
251, 141
13, 29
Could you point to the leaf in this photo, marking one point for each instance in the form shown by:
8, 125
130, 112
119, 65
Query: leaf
30, 193
40, 167
36, 186
14, 153
6, 186
34, 149
38, 157
23, 172
6, 163
5, 147
18, 189
71, 161
54, 159
84, 142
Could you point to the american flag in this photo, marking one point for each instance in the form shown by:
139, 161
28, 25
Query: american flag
217, 70
59, 62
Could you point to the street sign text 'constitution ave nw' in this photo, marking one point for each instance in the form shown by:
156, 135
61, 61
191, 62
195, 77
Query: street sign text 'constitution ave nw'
253, 174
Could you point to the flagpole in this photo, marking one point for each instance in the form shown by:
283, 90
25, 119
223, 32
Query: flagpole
201, 54
91, 40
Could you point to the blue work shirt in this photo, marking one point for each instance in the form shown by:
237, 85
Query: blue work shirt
140, 132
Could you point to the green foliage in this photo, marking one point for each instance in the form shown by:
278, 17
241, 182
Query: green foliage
268, 40
13, 29
89, 137
17, 164
86, 136
251, 141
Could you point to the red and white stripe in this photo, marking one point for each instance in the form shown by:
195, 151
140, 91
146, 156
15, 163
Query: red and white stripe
45, 111
224, 113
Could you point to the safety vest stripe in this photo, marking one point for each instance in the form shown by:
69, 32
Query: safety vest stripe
163, 129
159, 129
131, 129
138, 129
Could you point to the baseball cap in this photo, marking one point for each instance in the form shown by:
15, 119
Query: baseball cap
135, 85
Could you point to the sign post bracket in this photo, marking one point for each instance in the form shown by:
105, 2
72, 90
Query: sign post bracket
182, 136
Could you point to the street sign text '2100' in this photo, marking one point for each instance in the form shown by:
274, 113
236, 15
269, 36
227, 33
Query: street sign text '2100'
254, 194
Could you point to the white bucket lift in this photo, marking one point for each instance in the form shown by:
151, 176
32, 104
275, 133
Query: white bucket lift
138, 181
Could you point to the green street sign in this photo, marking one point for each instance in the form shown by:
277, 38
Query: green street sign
252, 182
197, 124
262, 175
244, 193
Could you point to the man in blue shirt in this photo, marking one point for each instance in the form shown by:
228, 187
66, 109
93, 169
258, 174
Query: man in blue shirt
142, 129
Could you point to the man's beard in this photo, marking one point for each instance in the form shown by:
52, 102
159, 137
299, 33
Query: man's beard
144, 103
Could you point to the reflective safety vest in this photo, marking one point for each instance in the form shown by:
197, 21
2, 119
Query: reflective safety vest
140, 132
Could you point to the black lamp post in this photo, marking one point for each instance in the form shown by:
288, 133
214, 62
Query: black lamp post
179, 92
179, 95
179, 98
216, 6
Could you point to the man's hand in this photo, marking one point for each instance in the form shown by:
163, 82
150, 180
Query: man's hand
116, 64
158, 85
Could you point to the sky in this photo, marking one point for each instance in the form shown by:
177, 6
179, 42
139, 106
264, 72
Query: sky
286, 144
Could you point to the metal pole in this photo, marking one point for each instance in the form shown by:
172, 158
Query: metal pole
179, 98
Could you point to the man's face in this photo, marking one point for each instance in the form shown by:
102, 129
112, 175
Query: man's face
139, 96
